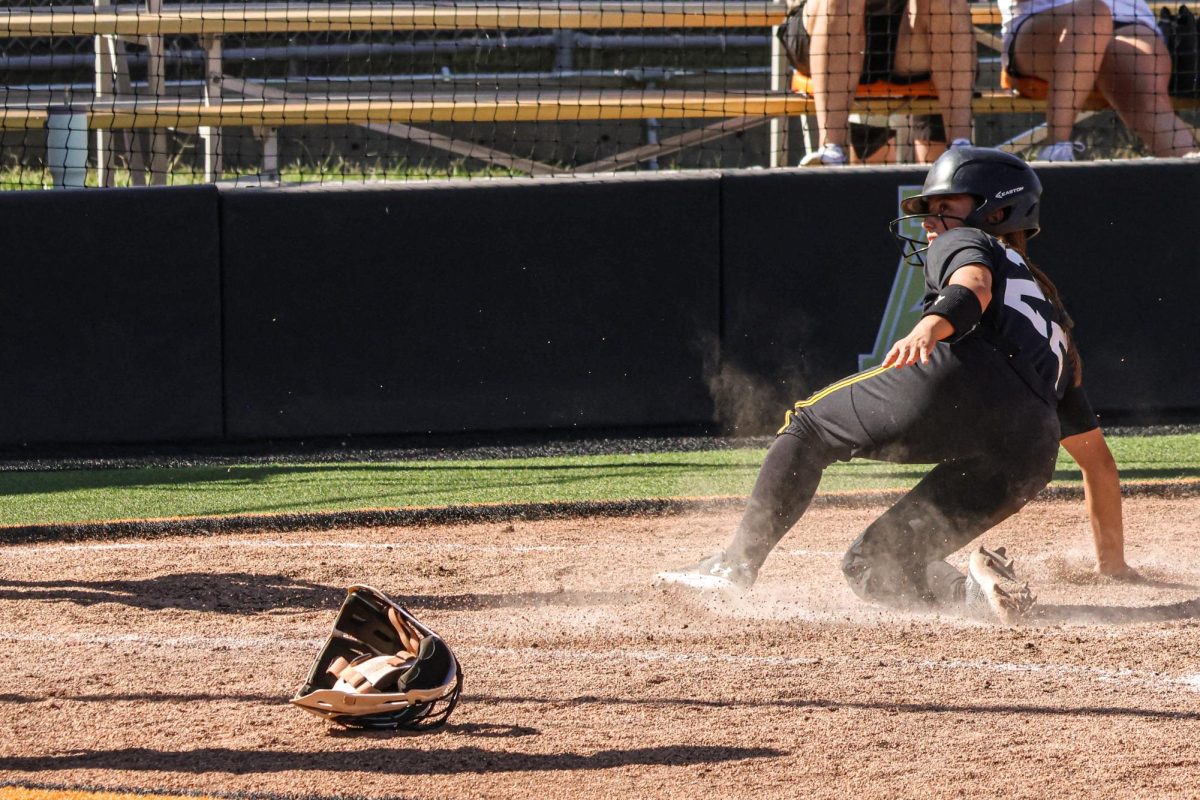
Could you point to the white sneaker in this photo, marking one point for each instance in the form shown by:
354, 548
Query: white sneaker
829, 155
713, 574
1061, 151
992, 589
957, 143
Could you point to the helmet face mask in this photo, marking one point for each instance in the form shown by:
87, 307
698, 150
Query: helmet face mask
913, 250
381, 668
997, 180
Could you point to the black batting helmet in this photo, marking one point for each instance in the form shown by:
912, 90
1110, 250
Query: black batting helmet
996, 179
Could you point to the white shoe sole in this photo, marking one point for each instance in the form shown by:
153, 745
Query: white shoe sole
1009, 599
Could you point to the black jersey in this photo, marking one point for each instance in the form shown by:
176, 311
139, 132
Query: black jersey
1075, 414
1019, 320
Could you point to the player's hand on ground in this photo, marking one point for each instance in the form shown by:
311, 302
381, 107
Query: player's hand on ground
1125, 574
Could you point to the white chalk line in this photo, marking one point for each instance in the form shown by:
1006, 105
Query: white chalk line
1128, 677
274, 544
21, 551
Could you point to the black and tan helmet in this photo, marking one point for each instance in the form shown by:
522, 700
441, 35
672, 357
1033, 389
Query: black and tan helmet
381, 668
996, 179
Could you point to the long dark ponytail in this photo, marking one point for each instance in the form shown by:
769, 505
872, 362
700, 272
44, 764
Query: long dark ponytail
1018, 241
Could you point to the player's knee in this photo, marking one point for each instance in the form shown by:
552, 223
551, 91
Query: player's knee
881, 577
807, 450
799, 423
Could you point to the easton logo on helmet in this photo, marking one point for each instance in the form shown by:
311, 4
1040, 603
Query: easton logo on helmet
1007, 192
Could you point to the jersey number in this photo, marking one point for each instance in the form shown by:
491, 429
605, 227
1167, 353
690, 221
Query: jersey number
1015, 292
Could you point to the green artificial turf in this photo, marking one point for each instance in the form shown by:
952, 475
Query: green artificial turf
90, 495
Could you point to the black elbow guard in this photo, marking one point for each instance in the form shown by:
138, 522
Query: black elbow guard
960, 307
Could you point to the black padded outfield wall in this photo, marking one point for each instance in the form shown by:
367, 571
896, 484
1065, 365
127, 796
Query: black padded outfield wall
192, 314
811, 281
489, 306
109, 316
1122, 242
807, 263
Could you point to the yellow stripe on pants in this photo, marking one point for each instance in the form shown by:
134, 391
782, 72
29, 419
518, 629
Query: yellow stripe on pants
828, 390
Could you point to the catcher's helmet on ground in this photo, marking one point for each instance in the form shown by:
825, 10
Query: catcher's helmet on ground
996, 179
381, 668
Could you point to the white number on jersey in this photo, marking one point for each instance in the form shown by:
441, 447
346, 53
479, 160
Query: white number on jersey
1015, 292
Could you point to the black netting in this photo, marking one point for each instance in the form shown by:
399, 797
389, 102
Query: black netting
184, 92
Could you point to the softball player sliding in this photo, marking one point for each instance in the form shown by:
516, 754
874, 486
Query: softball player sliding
983, 387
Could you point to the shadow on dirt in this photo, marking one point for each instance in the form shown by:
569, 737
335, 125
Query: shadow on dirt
225, 592
144, 697
1156, 583
245, 593
445, 761
817, 704
487, 730
477, 730
1116, 615
474, 730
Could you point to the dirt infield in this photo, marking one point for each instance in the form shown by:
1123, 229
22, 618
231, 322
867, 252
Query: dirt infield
164, 665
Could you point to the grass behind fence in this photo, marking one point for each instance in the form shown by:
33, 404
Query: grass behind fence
16, 177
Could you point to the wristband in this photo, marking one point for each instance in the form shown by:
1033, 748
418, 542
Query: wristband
959, 306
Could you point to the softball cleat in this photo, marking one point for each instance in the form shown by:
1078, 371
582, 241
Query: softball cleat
992, 588
714, 575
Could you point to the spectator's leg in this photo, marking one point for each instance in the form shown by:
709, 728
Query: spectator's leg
936, 37
929, 137
871, 143
1134, 78
837, 36
1064, 46
927, 152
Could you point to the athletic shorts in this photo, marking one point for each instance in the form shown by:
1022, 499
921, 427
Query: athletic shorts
928, 128
1016, 13
879, 62
868, 139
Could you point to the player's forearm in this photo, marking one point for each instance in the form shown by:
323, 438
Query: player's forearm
1102, 493
1103, 496
935, 329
